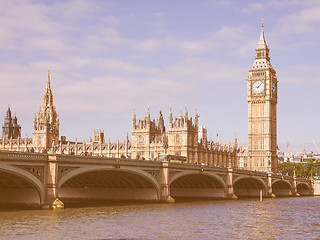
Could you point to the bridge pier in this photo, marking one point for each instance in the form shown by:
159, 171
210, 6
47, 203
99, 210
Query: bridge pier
229, 182
51, 179
165, 187
294, 187
269, 192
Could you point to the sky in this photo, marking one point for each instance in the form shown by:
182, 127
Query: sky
110, 57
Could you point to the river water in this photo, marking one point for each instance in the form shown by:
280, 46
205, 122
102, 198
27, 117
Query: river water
281, 218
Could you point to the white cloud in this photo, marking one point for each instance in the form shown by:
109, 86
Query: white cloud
305, 21
203, 71
148, 45
253, 8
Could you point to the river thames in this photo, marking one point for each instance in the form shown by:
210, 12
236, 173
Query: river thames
280, 218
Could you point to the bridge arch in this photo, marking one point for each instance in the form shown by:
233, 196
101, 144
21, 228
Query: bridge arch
304, 189
249, 186
282, 188
189, 184
24, 189
97, 182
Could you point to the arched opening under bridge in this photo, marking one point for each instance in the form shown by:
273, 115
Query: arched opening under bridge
17, 191
197, 185
282, 188
249, 187
115, 185
303, 189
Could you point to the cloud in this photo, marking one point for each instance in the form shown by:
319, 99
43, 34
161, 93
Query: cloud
293, 3
253, 8
300, 74
148, 45
205, 71
236, 40
305, 21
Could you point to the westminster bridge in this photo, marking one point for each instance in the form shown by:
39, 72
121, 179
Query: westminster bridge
38, 179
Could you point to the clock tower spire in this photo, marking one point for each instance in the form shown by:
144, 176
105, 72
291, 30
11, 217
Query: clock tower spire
262, 110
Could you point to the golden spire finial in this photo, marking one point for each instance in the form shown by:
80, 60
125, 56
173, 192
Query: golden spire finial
262, 22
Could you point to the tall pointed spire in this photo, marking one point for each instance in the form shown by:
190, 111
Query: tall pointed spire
170, 118
8, 114
134, 119
47, 95
148, 115
262, 51
262, 44
48, 80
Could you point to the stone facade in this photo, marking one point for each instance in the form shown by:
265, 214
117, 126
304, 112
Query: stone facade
262, 111
151, 140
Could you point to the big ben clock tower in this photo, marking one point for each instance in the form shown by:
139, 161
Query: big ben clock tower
262, 111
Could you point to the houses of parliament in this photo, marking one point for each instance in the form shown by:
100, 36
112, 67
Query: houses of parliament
182, 137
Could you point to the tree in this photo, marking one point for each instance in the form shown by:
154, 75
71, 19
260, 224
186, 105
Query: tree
308, 168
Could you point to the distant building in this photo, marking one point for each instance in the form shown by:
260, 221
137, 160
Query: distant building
11, 129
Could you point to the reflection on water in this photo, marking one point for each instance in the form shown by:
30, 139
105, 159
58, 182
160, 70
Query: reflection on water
285, 218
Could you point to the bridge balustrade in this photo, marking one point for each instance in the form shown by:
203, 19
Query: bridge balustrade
77, 176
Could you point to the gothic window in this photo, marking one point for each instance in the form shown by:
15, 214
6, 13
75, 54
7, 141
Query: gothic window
178, 138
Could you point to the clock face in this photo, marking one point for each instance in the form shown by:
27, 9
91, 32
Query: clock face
258, 87
274, 88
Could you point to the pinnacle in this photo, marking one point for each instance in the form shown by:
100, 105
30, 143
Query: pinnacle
262, 44
48, 80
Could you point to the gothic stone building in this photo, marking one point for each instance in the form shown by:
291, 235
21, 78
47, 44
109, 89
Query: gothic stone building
262, 111
151, 140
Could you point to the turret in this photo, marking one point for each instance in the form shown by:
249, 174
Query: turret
134, 119
186, 115
170, 118
8, 115
161, 127
148, 119
11, 128
196, 119
235, 143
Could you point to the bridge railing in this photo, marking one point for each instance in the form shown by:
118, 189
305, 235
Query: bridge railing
104, 160
23, 156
